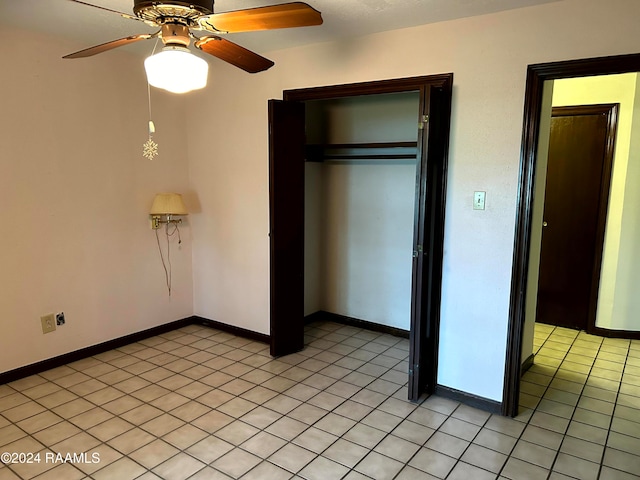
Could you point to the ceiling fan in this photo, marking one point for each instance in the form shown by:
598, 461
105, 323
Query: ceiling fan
177, 18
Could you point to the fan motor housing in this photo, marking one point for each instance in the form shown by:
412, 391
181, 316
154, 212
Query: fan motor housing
156, 11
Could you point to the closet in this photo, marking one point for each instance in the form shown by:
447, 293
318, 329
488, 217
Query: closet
360, 195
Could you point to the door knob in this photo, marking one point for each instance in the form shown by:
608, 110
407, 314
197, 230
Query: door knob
544, 224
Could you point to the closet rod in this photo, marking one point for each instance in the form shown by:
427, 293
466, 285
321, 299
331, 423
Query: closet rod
331, 151
399, 156
333, 146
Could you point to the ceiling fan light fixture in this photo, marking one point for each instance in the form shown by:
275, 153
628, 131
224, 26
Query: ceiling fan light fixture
176, 70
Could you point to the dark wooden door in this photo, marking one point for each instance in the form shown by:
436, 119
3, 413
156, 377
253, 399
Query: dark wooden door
575, 207
433, 139
286, 225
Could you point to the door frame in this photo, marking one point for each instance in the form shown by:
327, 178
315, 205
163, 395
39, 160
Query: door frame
432, 154
537, 74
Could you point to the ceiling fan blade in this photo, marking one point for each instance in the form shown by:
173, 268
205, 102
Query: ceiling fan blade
234, 54
287, 15
122, 14
87, 52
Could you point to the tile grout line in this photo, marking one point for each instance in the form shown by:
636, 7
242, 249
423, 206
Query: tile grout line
193, 380
341, 437
399, 388
83, 430
615, 406
547, 387
528, 422
344, 396
329, 411
100, 406
125, 393
459, 459
319, 419
564, 435
157, 366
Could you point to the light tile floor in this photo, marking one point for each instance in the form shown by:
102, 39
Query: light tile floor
197, 403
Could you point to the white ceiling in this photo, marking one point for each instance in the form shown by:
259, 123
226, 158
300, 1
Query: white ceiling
342, 18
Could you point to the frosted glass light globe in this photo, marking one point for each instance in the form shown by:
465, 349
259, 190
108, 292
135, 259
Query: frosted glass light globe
176, 69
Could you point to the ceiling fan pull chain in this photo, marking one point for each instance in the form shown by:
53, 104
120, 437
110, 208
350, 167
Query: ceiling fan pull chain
150, 148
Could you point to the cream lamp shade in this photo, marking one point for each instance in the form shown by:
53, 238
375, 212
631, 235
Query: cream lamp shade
168, 204
176, 69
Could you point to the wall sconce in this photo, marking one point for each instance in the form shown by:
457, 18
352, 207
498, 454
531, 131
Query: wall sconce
167, 205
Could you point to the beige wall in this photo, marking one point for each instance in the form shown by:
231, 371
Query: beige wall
488, 55
75, 193
627, 302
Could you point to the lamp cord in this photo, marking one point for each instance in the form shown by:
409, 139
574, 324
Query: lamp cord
167, 265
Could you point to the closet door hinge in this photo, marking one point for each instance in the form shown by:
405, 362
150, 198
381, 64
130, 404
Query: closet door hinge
417, 251
423, 120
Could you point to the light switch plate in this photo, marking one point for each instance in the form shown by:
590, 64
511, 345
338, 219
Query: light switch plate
48, 323
478, 200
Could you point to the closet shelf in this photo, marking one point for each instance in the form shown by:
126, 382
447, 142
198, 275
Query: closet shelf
361, 151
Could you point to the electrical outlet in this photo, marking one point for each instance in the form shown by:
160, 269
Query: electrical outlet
48, 323
60, 319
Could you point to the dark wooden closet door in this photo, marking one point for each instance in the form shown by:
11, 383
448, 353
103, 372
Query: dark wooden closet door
286, 222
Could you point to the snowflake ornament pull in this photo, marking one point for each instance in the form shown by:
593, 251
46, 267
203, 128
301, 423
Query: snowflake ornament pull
150, 148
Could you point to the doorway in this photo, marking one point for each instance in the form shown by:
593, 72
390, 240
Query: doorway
536, 77
287, 217
575, 207
359, 209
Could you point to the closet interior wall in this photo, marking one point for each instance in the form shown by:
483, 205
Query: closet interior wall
359, 206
